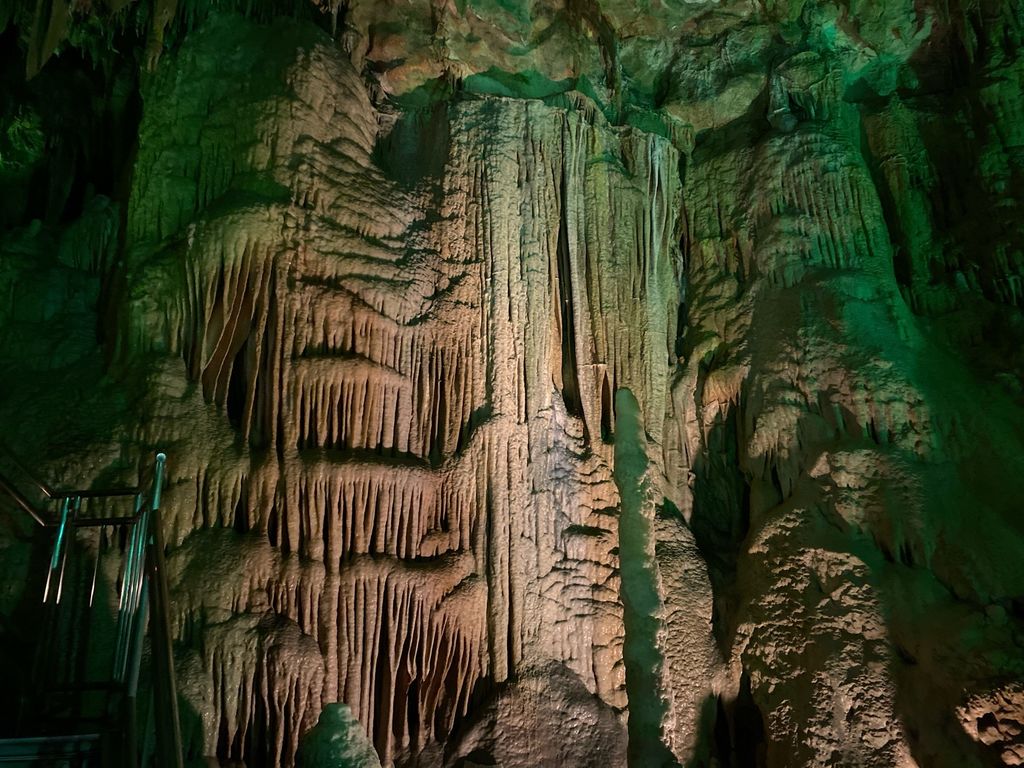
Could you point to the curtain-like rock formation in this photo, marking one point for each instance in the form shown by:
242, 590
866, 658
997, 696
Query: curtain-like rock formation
551, 383
425, 387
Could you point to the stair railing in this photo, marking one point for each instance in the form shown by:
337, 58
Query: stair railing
142, 600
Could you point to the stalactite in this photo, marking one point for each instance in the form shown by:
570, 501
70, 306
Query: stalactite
267, 681
416, 489
377, 295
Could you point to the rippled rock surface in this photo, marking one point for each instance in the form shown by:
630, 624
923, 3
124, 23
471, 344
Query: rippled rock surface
584, 384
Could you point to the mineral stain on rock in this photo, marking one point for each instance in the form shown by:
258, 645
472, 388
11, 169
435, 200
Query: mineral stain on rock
549, 383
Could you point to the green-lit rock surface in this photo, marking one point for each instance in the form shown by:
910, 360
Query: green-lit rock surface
337, 741
577, 384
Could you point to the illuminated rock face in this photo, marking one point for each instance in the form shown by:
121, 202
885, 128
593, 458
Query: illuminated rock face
421, 376
579, 385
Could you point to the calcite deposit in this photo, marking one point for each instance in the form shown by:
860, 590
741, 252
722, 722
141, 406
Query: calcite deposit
584, 383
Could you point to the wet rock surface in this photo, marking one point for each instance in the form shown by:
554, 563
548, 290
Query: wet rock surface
604, 383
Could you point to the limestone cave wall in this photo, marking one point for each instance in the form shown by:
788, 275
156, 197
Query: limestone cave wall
583, 383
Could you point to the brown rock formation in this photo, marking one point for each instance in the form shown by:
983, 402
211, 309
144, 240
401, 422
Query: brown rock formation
569, 384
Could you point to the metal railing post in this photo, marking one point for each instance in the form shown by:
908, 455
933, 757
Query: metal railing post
168, 725
143, 586
57, 556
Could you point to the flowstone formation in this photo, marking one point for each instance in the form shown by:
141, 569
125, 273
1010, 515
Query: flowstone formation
337, 741
422, 389
562, 384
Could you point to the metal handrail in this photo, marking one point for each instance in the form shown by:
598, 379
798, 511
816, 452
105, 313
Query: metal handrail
52, 493
9, 487
42, 519
144, 595
19, 498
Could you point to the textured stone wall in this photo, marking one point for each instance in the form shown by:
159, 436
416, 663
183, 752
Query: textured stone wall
553, 384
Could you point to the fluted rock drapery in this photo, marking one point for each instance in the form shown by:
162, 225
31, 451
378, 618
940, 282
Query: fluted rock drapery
613, 383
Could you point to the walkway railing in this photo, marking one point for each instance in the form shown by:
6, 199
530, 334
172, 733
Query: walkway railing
71, 632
